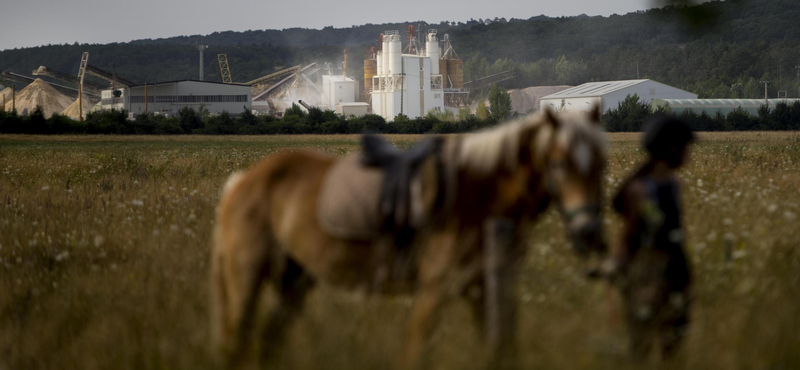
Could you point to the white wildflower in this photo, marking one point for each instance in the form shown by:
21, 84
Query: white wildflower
62, 256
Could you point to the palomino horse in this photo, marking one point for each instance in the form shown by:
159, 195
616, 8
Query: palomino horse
266, 228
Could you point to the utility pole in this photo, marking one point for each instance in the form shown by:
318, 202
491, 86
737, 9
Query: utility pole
766, 92
798, 80
637, 70
201, 48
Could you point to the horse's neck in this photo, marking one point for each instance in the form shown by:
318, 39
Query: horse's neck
501, 193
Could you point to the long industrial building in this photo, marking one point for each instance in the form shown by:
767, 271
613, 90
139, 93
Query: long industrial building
412, 83
712, 106
169, 97
609, 94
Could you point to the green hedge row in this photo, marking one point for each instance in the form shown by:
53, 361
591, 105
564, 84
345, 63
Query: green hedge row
188, 121
628, 117
632, 113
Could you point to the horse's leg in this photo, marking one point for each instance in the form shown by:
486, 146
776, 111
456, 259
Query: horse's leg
500, 273
238, 268
435, 262
475, 295
291, 288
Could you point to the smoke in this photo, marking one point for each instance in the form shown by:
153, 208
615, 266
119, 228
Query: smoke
293, 94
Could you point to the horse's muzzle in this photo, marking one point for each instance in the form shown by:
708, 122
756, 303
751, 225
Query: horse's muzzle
586, 232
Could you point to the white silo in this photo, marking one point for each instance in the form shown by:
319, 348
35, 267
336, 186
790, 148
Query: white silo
432, 51
379, 58
385, 49
395, 55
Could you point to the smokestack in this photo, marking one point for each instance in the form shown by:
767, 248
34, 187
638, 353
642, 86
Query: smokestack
345, 63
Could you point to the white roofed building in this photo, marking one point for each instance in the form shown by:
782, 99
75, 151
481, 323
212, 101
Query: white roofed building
609, 94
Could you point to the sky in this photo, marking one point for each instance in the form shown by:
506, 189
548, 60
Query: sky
25, 23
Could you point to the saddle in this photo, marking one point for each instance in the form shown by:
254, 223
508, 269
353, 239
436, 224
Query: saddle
379, 191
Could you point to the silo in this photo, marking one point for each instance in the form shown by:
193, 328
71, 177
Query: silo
455, 70
432, 51
370, 70
395, 55
379, 60
443, 71
385, 54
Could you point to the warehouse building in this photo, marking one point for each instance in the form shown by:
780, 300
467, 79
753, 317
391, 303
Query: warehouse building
712, 106
609, 94
169, 97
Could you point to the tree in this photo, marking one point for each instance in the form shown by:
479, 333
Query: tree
464, 114
629, 116
500, 103
189, 119
481, 111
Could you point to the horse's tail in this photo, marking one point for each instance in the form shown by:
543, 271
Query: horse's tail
239, 259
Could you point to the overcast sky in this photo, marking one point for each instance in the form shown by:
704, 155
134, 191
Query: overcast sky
26, 23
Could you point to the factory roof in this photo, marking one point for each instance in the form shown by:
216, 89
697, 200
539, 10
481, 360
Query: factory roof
189, 80
712, 103
595, 89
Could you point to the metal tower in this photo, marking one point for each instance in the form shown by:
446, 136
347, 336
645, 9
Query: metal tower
81, 74
201, 48
224, 69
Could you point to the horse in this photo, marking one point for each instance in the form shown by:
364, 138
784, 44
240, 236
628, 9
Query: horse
266, 229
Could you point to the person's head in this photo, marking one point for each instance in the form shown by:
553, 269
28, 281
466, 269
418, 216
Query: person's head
667, 139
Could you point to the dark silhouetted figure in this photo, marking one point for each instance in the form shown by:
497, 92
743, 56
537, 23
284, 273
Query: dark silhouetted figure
649, 263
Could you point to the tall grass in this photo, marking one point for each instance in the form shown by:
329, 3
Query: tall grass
104, 247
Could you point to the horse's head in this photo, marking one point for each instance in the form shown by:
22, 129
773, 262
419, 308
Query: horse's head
570, 149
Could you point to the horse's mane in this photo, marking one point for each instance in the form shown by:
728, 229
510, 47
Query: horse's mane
498, 148
492, 149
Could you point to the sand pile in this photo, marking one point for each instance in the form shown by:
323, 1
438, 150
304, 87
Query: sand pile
7, 92
39, 93
72, 110
527, 99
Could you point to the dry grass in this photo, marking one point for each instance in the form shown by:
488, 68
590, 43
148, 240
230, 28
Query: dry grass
104, 262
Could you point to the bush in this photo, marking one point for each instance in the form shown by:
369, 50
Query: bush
629, 116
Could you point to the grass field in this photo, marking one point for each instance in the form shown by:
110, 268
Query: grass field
104, 245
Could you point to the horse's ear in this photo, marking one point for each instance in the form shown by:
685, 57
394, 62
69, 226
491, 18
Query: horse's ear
595, 114
551, 118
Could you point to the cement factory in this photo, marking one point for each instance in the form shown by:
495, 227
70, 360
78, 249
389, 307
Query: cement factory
411, 81
408, 74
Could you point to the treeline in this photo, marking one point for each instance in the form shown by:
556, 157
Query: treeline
188, 121
628, 117
294, 120
632, 113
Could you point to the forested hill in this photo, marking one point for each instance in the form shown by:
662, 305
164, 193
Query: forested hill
743, 43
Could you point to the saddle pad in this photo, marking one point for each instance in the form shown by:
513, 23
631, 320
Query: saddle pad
348, 204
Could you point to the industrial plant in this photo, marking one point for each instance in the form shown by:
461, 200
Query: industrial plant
412, 75
409, 74
414, 80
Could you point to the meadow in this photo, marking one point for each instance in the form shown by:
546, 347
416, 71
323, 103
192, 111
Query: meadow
104, 251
